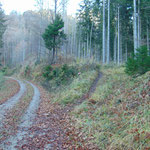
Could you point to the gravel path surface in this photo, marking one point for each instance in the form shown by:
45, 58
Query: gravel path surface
26, 121
12, 101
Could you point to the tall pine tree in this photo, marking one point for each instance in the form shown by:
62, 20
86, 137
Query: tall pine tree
54, 35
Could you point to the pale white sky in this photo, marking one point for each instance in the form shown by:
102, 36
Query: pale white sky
24, 5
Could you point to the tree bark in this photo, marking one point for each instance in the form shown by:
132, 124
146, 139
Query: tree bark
87, 45
139, 25
135, 27
91, 51
104, 51
148, 47
108, 34
118, 35
126, 52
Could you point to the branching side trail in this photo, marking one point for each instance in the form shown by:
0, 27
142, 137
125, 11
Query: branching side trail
91, 90
46, 125
53, 127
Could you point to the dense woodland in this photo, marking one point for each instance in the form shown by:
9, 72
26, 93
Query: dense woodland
102, 30
76, 82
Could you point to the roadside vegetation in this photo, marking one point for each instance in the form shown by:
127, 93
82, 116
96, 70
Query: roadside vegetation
115, 116
66, 83
1, 80
120, 117
139, 63
92, 70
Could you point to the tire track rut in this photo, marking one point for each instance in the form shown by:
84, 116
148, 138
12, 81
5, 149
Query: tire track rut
26, 121
12, 101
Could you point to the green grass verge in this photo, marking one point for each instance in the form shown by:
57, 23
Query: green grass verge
121, 117
79, 86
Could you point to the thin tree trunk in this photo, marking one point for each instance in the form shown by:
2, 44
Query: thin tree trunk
53, 57
118, 35
72, 40
108, 34
135, 27
87, 45
115, 48
121, 56
91, 40
104, 51
55, 8
75, 41
84, 50
148, 38
79, 50
139, 25
126, 52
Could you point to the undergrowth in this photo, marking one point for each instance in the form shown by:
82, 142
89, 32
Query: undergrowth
120, 119
71, 92
1, 80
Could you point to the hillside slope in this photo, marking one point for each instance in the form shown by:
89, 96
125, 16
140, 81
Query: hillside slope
119, 118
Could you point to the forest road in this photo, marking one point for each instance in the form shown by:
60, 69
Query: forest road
12, 101
26, 121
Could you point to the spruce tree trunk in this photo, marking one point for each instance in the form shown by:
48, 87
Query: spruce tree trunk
84, 50
126, 52
79, 50
72, 40
115, 48
118, 35
139, 25
55, 8
135, 27
108, 35
91, 51
87, 45
104, 51
148, 47
53, 59
121, 56
115, 42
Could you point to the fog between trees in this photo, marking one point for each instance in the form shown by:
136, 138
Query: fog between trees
102, 30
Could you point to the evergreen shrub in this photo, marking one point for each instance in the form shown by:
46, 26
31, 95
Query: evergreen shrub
60, 74
139, 63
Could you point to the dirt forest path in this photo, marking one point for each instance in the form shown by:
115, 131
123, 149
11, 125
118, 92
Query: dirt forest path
53, 128
26, 121
44, 125
12, 101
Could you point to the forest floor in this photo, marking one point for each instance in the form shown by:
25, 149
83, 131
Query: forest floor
31, 121
95, 111
12, 87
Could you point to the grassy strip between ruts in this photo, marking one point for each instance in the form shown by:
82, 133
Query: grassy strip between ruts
121, 117
13, 116
8, 89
